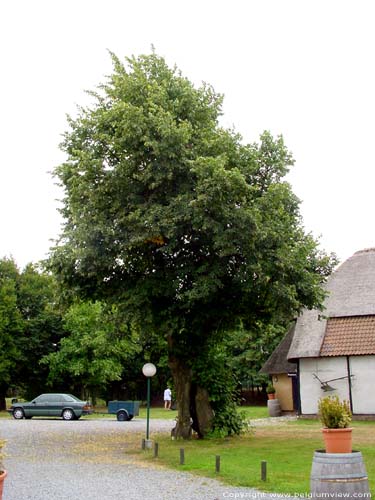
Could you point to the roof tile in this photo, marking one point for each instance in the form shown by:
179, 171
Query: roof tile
348, 336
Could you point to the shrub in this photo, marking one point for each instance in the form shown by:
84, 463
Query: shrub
229, 422
333, 413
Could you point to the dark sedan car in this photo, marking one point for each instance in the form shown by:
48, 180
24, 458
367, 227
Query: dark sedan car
66, 406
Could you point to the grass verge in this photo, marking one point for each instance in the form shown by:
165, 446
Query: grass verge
287, 448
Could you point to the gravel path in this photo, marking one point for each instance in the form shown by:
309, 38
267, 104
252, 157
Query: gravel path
85, 459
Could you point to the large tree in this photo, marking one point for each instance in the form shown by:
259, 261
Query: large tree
175, 219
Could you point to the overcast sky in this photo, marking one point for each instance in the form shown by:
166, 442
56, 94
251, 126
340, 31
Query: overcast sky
304, 69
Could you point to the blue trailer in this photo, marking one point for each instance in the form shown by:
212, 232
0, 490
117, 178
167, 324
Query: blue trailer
125, 410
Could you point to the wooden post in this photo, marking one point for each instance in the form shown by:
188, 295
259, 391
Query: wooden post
264, 470
217, 464
182, 456
143, 444
156, 450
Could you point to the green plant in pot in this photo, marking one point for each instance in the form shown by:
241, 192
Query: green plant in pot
336, 417
3, 472
270, 390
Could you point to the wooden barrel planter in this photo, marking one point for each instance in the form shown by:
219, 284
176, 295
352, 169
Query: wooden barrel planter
274, 408
336, 475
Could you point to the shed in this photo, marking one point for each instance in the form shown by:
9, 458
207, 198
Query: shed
283, 373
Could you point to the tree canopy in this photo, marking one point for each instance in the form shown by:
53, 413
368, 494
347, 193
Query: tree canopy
30, 325
189, 230
10, 325
94, 349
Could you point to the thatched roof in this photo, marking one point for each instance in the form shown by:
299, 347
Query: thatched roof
277, 362
351, 291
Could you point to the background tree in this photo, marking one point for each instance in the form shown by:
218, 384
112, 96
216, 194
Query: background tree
10, 326
41, 314
30, 326
93, 351
172, 217
152, 348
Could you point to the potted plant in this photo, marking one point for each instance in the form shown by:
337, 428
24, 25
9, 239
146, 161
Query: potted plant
270, 390
3, 472
336, 416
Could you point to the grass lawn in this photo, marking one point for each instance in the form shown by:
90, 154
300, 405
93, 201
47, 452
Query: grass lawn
160, 413
287, 448
250, 412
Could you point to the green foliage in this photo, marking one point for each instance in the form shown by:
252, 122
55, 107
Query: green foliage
94, 349
248, 349
270, 389
228, 422
42, 327
173, 217
212, 370
11, 325
333, 413
159, 198
30, 323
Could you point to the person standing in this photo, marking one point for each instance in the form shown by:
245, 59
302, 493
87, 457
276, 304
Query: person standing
167, 398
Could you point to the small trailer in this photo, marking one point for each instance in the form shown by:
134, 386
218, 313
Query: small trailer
124, 410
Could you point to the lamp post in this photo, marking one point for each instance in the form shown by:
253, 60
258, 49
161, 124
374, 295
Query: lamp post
148, 371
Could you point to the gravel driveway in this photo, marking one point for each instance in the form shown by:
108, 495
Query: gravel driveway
85, 459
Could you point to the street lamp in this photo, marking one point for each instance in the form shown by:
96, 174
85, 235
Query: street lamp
149, 371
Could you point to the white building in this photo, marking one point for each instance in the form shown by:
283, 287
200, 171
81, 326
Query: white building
335, 348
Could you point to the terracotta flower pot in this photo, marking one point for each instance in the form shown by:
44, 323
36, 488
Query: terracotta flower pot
338, 440
3, 475
272, 395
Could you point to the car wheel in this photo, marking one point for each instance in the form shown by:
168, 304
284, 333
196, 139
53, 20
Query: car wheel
122, 416
130, 417
18, 413
68, 414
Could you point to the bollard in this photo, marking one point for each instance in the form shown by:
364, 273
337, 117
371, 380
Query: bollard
217, 464
156, 450
143, 444
263, 470
182, 456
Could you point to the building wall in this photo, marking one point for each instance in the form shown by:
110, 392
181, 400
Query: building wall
325, 369
361, 367
284, 393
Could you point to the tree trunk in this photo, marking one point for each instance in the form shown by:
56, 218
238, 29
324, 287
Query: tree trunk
182, 385
203, 411
193, 405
